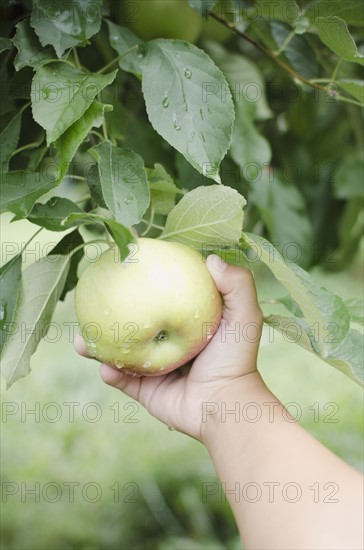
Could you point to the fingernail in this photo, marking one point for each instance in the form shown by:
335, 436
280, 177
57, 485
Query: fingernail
217, 263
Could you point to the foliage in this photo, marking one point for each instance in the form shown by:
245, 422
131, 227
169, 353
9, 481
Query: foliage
166, 138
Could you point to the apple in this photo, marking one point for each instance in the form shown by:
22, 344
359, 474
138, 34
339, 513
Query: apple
159, 19
151, 313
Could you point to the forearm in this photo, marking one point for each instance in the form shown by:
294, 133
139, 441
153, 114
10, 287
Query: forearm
286, 490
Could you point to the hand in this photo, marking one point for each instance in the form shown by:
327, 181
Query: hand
229, 359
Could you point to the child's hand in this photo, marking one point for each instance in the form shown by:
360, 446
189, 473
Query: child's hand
229, 359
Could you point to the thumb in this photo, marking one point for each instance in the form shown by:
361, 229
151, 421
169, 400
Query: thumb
234, 347
237, 287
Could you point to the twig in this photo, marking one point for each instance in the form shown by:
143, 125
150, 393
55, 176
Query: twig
269, 54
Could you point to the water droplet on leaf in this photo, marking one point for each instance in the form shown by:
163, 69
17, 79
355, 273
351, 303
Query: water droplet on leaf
176, 126
188, 73
165, 102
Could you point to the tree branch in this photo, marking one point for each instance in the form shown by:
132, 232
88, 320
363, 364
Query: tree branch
269, 54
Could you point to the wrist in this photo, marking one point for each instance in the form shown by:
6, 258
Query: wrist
230, 406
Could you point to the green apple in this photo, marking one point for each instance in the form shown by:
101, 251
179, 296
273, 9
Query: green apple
159, 19
151, 313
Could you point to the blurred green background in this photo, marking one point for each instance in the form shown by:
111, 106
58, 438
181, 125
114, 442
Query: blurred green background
110, 476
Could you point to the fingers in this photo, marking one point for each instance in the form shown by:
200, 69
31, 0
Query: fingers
120, 380
80, 346
237, 286
234, 348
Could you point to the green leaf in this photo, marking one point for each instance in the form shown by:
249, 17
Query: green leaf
323, 310
353, 87
5, 44
352, 11
356, 310
206, 215
51, 214
123, 181
298, 51
35, 156
94, 185
123, 39
335, 34
248, 146
188, 103
10, 279
30, 52
20, 190
163, 191
43, 282
246, 82
348, 356
70, 141
115, 120
121, 234
9, 138
283, 210
65, 24
61, 94
66, 246
291, 306
348, 182
294, 329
